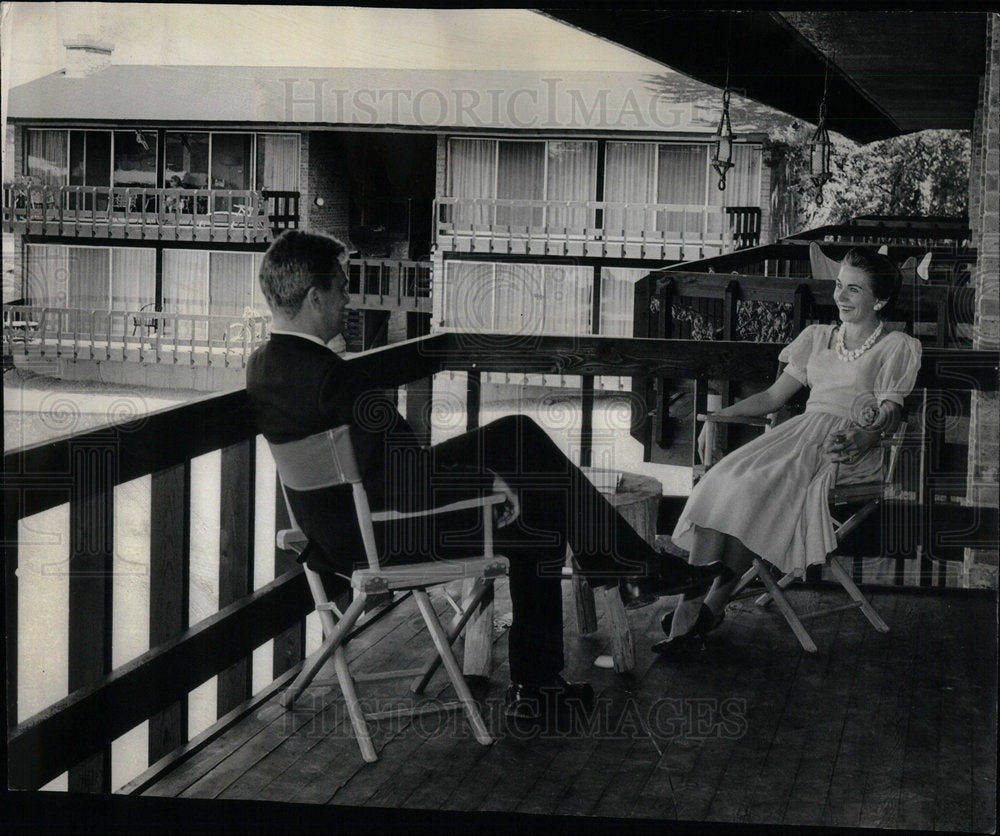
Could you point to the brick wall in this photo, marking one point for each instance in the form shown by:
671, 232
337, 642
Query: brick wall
984, 205
327, 178
441, 175
765, 202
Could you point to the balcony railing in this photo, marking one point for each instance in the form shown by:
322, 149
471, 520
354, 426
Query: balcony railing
79, 473
657, 231
223, 215
389, 284
144, 336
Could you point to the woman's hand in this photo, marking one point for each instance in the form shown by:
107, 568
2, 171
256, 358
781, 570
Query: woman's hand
510, 510
847, 446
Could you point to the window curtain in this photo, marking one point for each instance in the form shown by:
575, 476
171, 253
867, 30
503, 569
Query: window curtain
617, 312
519, 299
230, 288
568, 291
571, 175
185, 291
468, 303
471, 173
47, 159
89, 288
47, 274
630, 177
278, 162
133, 282
742, 184
681, 180
520, 176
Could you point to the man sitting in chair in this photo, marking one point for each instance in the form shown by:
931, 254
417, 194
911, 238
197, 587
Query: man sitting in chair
297, 387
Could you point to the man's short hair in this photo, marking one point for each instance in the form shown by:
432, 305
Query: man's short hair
296, 261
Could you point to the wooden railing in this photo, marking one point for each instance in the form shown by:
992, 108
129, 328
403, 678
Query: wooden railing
224, 215
596, 228
389, 284
81, 472
714, 288
146, 336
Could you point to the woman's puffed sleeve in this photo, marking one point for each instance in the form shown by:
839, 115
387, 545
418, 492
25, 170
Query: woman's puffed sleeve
898, 373
797, 353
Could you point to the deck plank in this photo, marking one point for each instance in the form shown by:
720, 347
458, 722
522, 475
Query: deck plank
876, 730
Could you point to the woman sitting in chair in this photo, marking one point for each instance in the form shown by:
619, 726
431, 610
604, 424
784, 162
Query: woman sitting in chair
769, 497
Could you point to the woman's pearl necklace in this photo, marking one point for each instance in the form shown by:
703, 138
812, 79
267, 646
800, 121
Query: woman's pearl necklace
854, 354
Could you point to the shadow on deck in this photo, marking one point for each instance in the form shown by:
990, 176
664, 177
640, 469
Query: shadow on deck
887, 731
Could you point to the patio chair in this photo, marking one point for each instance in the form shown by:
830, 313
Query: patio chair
853, 504
326, 460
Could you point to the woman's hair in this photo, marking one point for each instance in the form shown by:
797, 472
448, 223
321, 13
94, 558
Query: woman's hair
883, 274
296, 261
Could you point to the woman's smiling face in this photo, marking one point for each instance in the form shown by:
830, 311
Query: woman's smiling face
854, 297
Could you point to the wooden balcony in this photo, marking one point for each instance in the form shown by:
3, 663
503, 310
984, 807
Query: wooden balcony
101, 212
592, 228
144, 336
932, 681
389, 284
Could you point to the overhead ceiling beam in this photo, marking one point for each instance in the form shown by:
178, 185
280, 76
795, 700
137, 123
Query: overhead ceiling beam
767, 59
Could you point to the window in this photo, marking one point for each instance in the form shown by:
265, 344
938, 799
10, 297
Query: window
47, 157
509, 298
551, 171
186, 157
135, 158
278, 162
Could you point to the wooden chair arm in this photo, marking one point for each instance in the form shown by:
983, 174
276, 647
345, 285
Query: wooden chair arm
462, 505
715, 418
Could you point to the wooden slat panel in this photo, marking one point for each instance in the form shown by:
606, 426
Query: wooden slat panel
68, 731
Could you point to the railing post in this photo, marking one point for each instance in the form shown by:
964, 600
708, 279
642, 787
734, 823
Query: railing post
91, 572
169, 588
236, 549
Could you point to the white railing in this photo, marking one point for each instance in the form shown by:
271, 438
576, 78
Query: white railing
142, 335
170, 214
586, 227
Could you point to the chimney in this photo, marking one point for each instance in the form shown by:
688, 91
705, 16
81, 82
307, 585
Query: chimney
85, 55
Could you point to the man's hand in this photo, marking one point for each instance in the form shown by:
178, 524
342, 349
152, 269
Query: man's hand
511, 508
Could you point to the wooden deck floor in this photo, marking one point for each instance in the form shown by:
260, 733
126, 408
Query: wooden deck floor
882, 731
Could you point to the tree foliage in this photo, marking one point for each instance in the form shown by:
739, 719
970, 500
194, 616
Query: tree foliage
925, 173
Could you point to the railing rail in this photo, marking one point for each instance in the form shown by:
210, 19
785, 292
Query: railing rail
232, 215
389, 283
143, 335
82, 471
592, 227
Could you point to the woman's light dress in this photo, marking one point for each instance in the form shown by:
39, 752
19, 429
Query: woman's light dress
771, 493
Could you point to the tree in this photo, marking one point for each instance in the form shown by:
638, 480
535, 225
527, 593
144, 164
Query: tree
925, 173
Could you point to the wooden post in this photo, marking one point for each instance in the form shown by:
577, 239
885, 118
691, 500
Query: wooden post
169, 588
236, 558
587, 420
91, 566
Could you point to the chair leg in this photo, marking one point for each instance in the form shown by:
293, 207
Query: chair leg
583, 597
330, 645
748, 576
847, 582
786, 609
451, 665
485, 588
783, 583
354, 711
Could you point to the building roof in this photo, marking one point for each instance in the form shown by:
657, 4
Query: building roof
468, 100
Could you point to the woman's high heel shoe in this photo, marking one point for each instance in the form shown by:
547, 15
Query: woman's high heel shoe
693, 640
